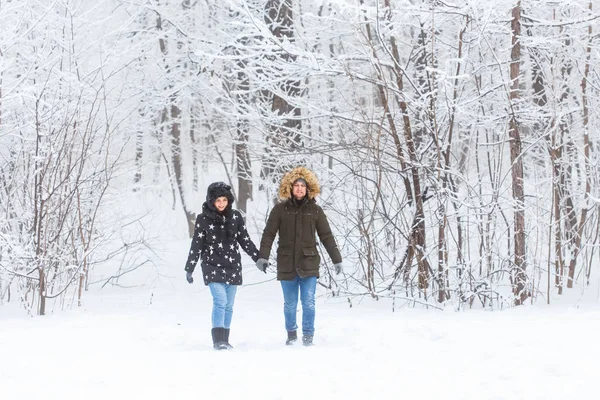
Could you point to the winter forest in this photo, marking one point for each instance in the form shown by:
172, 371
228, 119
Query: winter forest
456, 141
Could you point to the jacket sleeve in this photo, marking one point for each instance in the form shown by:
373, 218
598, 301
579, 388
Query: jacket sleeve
197, 245
243, 237
326, 237
271, 229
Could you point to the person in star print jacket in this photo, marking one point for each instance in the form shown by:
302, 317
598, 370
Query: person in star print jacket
219, 229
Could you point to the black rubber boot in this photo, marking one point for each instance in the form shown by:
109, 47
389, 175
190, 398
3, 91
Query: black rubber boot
292, 338
307, 340
217, 337
226, 338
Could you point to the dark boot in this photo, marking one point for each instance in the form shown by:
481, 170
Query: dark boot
226, 338
307, 340
217, 337
292, 338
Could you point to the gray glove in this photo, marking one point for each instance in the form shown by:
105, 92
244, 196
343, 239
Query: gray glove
188, 277
262, 265
338, 268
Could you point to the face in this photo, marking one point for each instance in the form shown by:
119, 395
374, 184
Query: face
299, 190
221, 203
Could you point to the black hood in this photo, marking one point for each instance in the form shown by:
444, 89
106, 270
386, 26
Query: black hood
216, 190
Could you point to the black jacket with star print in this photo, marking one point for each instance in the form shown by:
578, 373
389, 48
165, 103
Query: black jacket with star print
215, 242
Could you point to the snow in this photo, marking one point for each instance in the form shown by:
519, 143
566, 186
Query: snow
155, 344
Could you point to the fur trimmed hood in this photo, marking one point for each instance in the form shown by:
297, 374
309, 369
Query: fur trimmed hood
313, 188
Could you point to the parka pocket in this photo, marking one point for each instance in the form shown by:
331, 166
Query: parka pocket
285, 260
310, 259
309, 252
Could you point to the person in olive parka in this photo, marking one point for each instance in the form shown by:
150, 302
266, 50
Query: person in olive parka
219, 229
297, 218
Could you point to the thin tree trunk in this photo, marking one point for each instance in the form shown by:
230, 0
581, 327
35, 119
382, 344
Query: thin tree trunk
445, 178
586, 154
195, 174
399, 73
83, 274
518, 193
177, 163
173, 113
417, 241
159, 126
244, 168
364, 232
559, 264
38, 213
541, 101
242, 155
139, 153
565, 171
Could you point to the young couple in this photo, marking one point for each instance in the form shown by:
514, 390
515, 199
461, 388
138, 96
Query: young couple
296, 218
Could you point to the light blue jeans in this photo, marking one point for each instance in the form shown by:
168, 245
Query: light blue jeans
307, 288
223, 298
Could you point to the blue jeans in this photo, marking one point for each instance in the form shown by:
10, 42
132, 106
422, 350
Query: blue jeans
307, 288
223, 297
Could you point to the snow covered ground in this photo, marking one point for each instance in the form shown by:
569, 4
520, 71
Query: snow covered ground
155, 344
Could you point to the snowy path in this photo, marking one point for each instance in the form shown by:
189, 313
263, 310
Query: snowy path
121, 347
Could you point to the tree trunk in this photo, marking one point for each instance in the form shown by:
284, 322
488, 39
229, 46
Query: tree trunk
586, 154
445, 178
195, 156
139, 152
177, 163
285, 134
399, 72
518, 193
417, 241
242, 155
244, 168
173, 113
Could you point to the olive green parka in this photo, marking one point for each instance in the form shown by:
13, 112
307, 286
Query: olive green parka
298, 223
